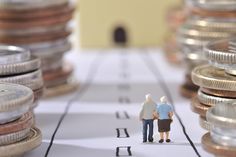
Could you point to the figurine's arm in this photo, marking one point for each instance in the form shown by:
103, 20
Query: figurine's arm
155, 115
171, 114
141, 115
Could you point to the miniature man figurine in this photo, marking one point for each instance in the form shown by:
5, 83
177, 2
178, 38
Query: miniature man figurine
164, 116
147, 116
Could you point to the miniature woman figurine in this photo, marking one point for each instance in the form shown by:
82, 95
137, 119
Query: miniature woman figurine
164, 115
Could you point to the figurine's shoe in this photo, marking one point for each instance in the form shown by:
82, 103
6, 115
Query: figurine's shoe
144, 141
161, 141
168, 140
151, 140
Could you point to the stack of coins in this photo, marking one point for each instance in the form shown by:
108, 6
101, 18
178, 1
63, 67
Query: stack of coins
175, 17
217, 80
17, 134
42, 27
18, 66
221, 140
208, 20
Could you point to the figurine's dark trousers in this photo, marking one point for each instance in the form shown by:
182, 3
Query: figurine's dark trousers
147, 126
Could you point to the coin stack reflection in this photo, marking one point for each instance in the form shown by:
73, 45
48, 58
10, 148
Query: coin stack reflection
208, 20
42, 27
217, 83
18, 66
17, 133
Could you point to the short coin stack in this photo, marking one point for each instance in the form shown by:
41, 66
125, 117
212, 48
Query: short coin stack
17, 134
18, 66
221, 140
42, 27
217, 81
208, 20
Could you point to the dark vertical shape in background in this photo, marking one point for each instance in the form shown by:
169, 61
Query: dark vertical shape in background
120, 36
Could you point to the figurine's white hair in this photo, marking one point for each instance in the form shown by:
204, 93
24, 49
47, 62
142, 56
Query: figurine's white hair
148, 97
163, 99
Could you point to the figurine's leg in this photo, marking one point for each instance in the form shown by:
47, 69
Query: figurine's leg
161, 137
150, 136
167, 135
145, 130
160, 130
167, 131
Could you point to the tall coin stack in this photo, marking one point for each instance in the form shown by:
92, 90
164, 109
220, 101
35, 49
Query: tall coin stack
18, 66
208, 20
175, 17
217, 80
221, 140
216, 98
42, 27
17, 134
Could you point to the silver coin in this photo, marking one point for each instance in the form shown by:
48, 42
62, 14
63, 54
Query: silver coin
212, 23
44, 45
223, 139
219, 5
211, 100
26, 4
52, 63
14, 113
13, 54
33, 80
32, 31
222, 115
32, 64
218, 54
14, 96
52, 51
14, 137
204, 124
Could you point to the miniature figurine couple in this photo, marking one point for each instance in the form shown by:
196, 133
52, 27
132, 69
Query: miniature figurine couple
163, 112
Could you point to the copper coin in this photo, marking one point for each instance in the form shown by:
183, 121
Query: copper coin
57, 82
189, 82
207, 13
219, 93
198, 107
188, 91
218, 150
65, 71
38, 94
35, 13
58, 77
35, 38
26, 121
40, 22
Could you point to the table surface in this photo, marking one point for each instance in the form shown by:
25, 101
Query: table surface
113, 84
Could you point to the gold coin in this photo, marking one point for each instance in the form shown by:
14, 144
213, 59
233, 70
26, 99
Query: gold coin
31, 142
210, 77
218, 150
